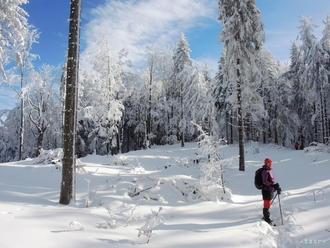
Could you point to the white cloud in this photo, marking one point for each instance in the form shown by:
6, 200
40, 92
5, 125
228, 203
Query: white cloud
133, 25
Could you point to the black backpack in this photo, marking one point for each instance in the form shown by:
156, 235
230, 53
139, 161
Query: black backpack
258, 178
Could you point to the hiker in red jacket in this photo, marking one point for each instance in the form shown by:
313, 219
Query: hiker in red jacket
269, 186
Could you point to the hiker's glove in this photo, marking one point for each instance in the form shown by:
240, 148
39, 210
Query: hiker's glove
277, 188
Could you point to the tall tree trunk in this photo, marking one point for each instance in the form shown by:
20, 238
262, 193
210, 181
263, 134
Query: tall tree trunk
70, 104
39, 141
181, 107
322, 116
326, 121
63, 93
231, 128
240, 121
121, 137
227, 126
275, 128
269, 130
248, 127
315, 125
149, 102
167, 126
128, 139
263, 131
21, 130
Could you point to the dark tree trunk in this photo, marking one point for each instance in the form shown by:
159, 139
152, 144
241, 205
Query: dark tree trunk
227, 126
149, 124
181, 107
248, 128
21, 130
323, 117
231, 128
70, 104
275, 128
315, 124
240, 121
263, 131
39, 141
326, 121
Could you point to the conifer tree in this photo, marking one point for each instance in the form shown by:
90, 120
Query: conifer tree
242, 34
325, 46
181, 76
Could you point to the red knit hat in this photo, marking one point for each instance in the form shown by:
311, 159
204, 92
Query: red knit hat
268, 160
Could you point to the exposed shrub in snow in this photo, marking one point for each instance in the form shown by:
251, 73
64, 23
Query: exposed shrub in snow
49, 156
154, 220
212, 182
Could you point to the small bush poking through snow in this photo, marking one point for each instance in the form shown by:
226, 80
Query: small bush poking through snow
154, 220
212, 182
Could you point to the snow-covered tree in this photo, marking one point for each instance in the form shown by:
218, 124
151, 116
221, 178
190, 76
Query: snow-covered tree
16, 40
9, 135
14, 26
100, 105
307, 104
138, 109
24, 57
151, 68
325, 46
166, 100
197, 101
242, 34
44, 109
181, 79
206, 107
223, 110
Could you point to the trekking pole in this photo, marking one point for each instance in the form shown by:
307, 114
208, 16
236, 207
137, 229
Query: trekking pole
279, 202
273, 199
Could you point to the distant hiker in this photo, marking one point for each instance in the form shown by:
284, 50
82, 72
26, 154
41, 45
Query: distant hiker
296, 145
268, 188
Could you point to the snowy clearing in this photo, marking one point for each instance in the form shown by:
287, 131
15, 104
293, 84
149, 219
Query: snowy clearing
155, 194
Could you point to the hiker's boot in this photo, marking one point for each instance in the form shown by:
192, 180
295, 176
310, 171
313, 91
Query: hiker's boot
267, 216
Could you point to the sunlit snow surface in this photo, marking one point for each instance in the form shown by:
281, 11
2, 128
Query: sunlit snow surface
119, 195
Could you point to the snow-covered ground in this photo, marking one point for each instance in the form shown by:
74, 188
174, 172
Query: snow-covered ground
154, 194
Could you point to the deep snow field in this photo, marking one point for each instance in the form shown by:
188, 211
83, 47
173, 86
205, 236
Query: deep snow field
111, 210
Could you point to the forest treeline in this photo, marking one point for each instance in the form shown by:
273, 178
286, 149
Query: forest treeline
121, 109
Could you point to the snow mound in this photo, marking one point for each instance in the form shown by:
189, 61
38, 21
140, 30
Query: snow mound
76, 226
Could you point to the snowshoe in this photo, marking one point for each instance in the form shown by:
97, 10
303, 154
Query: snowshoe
269, 221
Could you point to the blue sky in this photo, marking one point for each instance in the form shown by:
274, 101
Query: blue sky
133, 24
